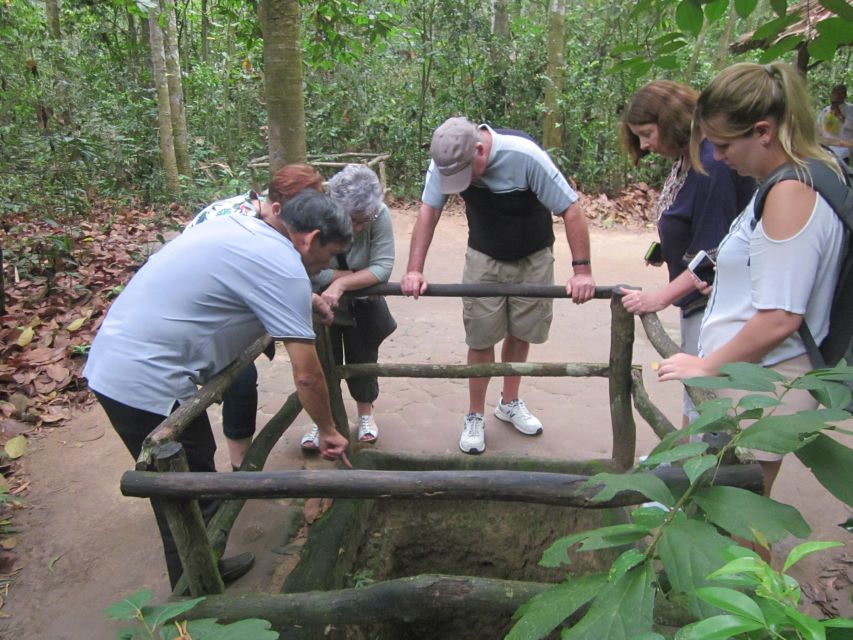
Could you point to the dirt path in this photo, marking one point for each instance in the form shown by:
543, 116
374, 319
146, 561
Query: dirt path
84, 546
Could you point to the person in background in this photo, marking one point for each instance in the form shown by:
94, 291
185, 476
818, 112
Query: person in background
835, 123
780, 270
510, 187
194, 307
695, 208
240, 400
368, 261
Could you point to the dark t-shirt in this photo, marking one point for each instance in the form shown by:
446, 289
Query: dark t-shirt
700, 217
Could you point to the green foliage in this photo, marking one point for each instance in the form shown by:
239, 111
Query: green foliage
158, 622
687, 538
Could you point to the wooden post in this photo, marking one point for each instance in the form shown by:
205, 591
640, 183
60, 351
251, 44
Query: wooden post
221, 523
187, 526
333, 382
621, 354
659, 423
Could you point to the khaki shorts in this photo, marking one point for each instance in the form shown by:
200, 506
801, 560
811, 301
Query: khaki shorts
490, 320
795, 400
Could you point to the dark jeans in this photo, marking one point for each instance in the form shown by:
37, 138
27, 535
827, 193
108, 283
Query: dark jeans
132, 426
346, 344
240, 405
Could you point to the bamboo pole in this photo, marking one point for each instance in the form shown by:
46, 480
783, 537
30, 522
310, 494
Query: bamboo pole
171, 428
187, 525
533, 369
621, 353
503, 486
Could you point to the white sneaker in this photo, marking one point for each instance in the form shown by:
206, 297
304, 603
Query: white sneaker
473, 439
520, 417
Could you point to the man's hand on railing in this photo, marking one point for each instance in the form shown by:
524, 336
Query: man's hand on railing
581, 287
413, 284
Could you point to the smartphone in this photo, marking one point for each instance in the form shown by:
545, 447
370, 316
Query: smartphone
700, 263
654, 255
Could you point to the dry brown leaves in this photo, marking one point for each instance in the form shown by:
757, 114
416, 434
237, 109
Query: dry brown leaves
634, 208
60, 279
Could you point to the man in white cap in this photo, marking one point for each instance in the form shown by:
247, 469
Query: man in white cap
511, 188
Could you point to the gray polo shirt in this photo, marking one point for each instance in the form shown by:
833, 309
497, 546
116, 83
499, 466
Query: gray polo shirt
194, 307
509, 207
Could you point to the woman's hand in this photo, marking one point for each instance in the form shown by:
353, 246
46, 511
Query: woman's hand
640, 302
333, 446
682, 366
322, 309
332, 294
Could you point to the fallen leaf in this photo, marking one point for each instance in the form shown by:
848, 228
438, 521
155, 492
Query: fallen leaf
53, 561
9, 543
16, 447
57, 372
26, 337
75, 326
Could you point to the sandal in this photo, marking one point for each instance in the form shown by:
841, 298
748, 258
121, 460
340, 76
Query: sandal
311, 440
367, 429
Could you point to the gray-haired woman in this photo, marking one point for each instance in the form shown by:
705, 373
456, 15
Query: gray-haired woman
368, 262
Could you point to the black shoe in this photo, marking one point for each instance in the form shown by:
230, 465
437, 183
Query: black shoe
236, 567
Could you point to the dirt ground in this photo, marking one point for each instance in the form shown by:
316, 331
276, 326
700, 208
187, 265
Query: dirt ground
83, 545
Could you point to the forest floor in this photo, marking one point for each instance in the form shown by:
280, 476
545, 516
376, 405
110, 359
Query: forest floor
75, 544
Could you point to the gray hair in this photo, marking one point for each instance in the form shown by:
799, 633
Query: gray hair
357, 189
311, 210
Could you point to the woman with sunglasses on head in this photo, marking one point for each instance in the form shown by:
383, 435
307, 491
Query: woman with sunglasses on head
695, 208
778, 271
369, 261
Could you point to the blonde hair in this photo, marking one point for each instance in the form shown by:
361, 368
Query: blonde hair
745, 93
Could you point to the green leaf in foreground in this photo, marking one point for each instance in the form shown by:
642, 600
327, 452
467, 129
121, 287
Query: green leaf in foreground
690, 550
649, 485
697, 466
732, 601
544, 612
606, 617
209, 629
717, 628
675, 454
830, 462
745, 514
128, 608
802, 550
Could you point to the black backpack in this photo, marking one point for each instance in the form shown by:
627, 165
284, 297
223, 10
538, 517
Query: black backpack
839, 195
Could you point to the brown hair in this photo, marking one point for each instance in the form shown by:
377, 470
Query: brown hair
668, 105
291, 179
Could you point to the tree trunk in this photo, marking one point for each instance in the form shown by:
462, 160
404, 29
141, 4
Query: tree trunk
176, 91
552, 133
283, 82
132, 47
205, 27
164, 111
500, 30
726, 38
51, 8
697, 49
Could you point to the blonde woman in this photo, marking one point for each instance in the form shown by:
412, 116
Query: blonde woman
776, 272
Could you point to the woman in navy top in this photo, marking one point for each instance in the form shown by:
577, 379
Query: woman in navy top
694, 210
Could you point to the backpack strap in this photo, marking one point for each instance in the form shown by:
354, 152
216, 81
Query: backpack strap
837, 193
